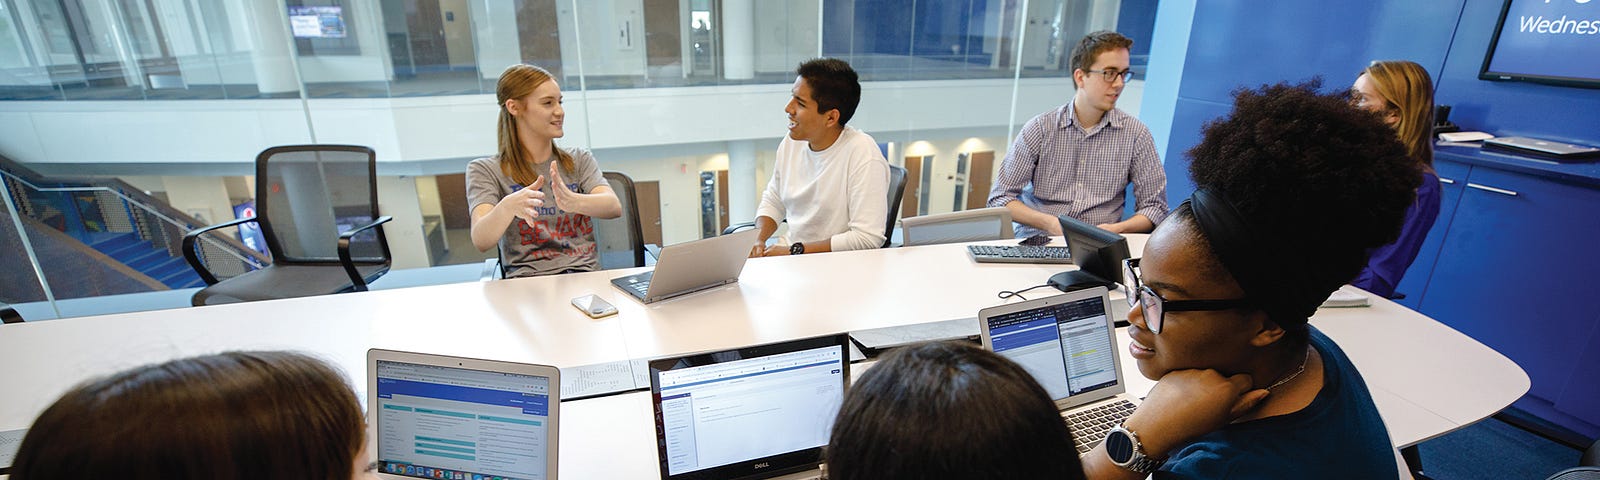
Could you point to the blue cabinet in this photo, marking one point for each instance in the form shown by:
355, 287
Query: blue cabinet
1516, 271
1581, 395
1452, 179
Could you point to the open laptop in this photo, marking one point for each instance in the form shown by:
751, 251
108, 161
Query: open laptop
690, 267
1069, 345
436, 416
754, 412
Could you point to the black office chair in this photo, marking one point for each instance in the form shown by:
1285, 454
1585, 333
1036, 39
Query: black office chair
8, 314
619, 242
897, 192
317, 206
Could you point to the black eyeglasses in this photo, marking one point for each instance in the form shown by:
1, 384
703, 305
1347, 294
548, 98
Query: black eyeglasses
1156, 308
1110, 75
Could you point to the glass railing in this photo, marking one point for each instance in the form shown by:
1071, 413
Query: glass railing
71, 240
170, 50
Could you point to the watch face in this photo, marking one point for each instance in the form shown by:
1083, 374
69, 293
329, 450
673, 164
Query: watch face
797, 248
1119, 446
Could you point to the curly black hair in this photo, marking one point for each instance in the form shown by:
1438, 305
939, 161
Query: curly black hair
1309, 168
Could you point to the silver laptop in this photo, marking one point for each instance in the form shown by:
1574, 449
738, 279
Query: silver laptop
754, 412
690, 267
436, 416
1069, 344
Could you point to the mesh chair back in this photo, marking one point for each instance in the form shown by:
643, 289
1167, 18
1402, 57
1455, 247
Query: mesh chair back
993, 223
619, 241
897, 192
309, 194
1579, 473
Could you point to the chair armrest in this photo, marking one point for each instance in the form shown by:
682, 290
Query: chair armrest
491, 270
738, 227
189, 239
344, 251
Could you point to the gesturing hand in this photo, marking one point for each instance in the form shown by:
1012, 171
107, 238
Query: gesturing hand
565, 198
525, 203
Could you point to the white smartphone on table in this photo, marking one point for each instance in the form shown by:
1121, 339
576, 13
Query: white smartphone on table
594, 306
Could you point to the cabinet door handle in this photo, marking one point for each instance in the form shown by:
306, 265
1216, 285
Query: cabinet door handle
1446, 181
1487, 188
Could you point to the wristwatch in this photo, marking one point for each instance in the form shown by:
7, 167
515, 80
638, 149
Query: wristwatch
1123, 446
797, 248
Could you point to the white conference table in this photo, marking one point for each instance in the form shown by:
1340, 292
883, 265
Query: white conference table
1426, 378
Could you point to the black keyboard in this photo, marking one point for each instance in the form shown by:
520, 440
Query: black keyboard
1018, 254
1089, 427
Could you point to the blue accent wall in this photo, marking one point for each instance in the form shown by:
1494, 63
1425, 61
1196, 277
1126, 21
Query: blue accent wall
1233, 44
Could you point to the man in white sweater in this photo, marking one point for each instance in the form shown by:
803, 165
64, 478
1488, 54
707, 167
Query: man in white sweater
830, 181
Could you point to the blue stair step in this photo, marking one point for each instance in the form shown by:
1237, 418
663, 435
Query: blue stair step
106, 242
168, 268
146, 260
129, 252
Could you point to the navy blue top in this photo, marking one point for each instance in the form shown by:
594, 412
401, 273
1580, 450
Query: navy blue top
1389, 262
1338, 436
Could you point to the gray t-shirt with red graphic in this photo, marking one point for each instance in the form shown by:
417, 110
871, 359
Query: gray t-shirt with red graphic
557, 240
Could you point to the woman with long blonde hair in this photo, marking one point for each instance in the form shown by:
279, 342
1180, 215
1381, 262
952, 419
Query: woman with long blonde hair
1401, 93
533, 198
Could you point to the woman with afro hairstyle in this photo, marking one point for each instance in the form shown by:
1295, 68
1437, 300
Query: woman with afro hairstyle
1293, 188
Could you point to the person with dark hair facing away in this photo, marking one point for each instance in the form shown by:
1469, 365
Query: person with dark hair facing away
949, 410
1078, 159
1401, 93
541, 222
1293, 188
830, 182
236, 415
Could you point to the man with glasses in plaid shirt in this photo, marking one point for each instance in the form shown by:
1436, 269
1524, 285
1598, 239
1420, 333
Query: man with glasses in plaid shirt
1078, 159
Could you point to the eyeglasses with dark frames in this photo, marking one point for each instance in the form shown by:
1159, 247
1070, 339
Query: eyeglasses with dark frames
1156, 308
1110, 75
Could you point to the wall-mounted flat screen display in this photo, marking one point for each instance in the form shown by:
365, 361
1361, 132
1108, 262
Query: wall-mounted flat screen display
316, 21
1546, 41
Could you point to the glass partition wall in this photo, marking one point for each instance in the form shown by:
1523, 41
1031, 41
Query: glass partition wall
684, 96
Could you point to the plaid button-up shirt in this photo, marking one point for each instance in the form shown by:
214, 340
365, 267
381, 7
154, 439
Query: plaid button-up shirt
1056, 167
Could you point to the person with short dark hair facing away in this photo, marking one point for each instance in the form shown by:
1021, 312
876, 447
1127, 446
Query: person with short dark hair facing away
1079, 158
830, 182
1293, 188
1401, 93
532, 198
235, 415
949, 410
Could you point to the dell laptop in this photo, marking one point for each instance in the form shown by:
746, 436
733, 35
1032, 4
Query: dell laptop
436, 416
753, 412
1067, 342
690, 267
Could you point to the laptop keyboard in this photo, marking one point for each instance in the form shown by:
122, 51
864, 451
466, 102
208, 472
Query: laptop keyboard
1019, 254
642, 286
1089, 427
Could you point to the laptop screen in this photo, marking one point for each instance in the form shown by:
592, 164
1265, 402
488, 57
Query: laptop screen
1068, 347
729, 409
444, 422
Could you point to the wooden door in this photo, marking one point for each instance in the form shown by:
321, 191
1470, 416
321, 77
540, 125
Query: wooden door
538, 35
453, 200
980, 178
648, 194
425, 25
908, 204
663, 40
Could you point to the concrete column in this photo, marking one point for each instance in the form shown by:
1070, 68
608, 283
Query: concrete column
743, 193
199, 197
738, 41
270, 56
